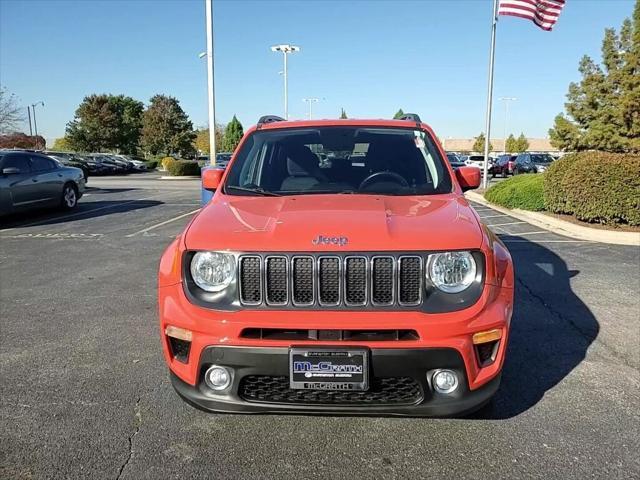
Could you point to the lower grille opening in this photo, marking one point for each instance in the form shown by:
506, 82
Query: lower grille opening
382, 391
329, 335
179, 349
486, 352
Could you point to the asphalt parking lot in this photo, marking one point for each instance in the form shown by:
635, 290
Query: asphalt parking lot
86, 393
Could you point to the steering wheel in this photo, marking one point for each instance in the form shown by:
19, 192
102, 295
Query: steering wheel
392, 175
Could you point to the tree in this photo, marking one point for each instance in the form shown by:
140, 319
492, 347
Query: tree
62, 144
106, 122
603, 109
232, 135
343, 114
10, 112
398, 114
565, 134
521, 144
21, 140
510, 144
478, 145
166, 129
201, 142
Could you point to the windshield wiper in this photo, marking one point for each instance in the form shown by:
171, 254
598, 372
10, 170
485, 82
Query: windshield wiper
257, 190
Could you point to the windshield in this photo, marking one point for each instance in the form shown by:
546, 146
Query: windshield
359, 160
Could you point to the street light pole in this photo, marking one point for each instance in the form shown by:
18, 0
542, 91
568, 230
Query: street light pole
210, 83
311, 101
506, 101
35, 124
285, 49
29, 114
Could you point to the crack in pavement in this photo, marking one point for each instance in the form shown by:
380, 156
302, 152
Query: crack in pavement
138, 423
588, 336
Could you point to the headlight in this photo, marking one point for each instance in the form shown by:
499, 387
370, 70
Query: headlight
451, 272
213, 271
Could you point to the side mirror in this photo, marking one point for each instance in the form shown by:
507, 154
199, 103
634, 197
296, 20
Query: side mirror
10, 171
468, 178
211, 179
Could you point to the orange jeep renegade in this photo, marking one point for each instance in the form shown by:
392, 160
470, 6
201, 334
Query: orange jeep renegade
338, 268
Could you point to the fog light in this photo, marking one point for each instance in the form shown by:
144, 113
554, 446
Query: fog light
217, 378
445, 381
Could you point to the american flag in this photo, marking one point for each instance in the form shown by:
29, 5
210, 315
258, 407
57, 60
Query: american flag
543, 13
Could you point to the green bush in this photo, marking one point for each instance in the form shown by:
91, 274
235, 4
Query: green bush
554, 198
152, 164
179, 168
522, 191
596, 187
604, 188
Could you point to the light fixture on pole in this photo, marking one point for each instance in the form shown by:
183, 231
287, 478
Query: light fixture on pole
33, 108
286, 49
506, 101
311, 101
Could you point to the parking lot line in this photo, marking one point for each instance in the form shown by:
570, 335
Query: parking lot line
525, 233
65, 217
152, 227
506, 240
494, 216
504, 224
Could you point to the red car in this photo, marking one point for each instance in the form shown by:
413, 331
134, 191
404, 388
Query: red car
338, 268
503, 166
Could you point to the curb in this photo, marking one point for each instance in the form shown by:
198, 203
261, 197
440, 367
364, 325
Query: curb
184, 177
562, 227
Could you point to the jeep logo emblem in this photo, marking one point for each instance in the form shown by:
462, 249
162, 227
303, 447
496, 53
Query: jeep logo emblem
322, 240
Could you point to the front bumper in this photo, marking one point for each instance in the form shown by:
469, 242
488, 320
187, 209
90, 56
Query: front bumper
413, 397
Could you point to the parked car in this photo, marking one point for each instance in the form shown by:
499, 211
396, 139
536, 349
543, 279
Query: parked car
95, 167
70, 160
363, 285
532, 163
127, 165
478, 161
115, 167
223, 159
138, 165
504, 165
454, 160
33, 180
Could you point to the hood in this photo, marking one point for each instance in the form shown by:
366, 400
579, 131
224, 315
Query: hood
308, 223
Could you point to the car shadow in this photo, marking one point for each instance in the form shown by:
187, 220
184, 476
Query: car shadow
82, 212
551, 330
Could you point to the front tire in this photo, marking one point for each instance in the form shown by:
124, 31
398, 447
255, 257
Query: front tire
69, 199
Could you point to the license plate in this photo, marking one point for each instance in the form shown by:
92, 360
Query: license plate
328, 369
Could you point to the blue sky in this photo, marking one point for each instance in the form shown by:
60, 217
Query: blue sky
368, 57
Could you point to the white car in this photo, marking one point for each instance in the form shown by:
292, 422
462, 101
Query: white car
478, 161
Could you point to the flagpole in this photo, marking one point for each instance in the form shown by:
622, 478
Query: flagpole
492, 52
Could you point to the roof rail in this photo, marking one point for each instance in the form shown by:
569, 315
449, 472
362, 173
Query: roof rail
270, 119
411, 117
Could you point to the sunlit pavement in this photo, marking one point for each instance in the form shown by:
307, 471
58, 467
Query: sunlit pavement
85, 391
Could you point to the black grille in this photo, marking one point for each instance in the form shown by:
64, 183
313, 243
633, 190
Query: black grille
382, 391
410, 280
303, 280
277, 280
330, 335
329, 281
250, 280
383, 280
356, 281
